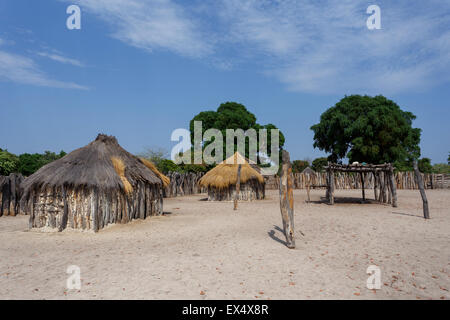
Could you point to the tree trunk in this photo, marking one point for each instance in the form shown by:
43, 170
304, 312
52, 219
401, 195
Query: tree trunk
419, 180
287, 200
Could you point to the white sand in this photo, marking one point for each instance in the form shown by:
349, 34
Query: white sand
204, 250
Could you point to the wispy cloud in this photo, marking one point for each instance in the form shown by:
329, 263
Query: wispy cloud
325, 46
61, 58
311, 46
20, 69
151, 25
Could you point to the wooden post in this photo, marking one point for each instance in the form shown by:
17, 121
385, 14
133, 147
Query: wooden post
238, 187
331, 187
375, 185
308, 185
419, 180
362, 186
287, 200
393, 186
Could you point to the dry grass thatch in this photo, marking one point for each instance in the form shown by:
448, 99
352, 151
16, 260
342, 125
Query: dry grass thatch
225, 173
165, 180
92, 167
120, 169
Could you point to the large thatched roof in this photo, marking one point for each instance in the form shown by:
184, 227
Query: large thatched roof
102, 164
225, 173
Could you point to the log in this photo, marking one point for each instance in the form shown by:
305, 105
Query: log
287, 200
419, 181
238, 187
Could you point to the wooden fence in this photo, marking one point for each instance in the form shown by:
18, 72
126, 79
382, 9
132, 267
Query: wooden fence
10, 194
343, 180
183, 184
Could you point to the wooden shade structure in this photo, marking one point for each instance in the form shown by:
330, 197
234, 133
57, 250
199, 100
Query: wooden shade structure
384, 189
92, 187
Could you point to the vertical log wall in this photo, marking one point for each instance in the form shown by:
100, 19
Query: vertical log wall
10, 194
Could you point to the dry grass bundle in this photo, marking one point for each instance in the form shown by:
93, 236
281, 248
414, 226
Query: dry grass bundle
165, 180
119, 167
225, 173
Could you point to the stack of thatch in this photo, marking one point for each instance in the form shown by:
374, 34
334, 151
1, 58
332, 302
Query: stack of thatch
92, 187
221, 181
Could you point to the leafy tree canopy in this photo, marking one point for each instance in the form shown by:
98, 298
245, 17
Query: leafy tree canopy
299, 165
441, 168
232, 115
8, 162
30, 163
319, 163
367, 129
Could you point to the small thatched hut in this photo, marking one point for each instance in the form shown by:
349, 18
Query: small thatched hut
309, 171
92, 187
221, 181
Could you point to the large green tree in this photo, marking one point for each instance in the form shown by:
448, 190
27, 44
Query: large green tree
232, 115
367, 129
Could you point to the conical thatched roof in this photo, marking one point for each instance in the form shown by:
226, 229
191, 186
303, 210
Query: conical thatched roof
308, 170
225, 173
165, 180
102, 164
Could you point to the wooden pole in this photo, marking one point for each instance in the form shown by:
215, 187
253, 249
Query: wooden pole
308, 185
375, 185
393, 186
331, 187
419, 180
287, 200
362, 186
238, 187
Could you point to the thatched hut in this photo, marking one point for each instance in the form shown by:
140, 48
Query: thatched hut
308, 171
221, 181
92, 187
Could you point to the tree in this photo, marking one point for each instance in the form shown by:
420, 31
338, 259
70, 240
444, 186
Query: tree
425, 166
155, 155
367, 129
319, 163
441, 168
8, 162
30, 163
232, 115
448, 159
299, 165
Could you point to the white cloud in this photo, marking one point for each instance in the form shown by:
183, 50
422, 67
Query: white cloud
311, 46
20, 69
150, 25
60, 58
325, 47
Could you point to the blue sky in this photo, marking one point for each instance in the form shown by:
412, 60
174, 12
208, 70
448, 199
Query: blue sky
140, 69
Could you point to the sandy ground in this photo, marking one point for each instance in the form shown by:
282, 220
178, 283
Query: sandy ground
205, 250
